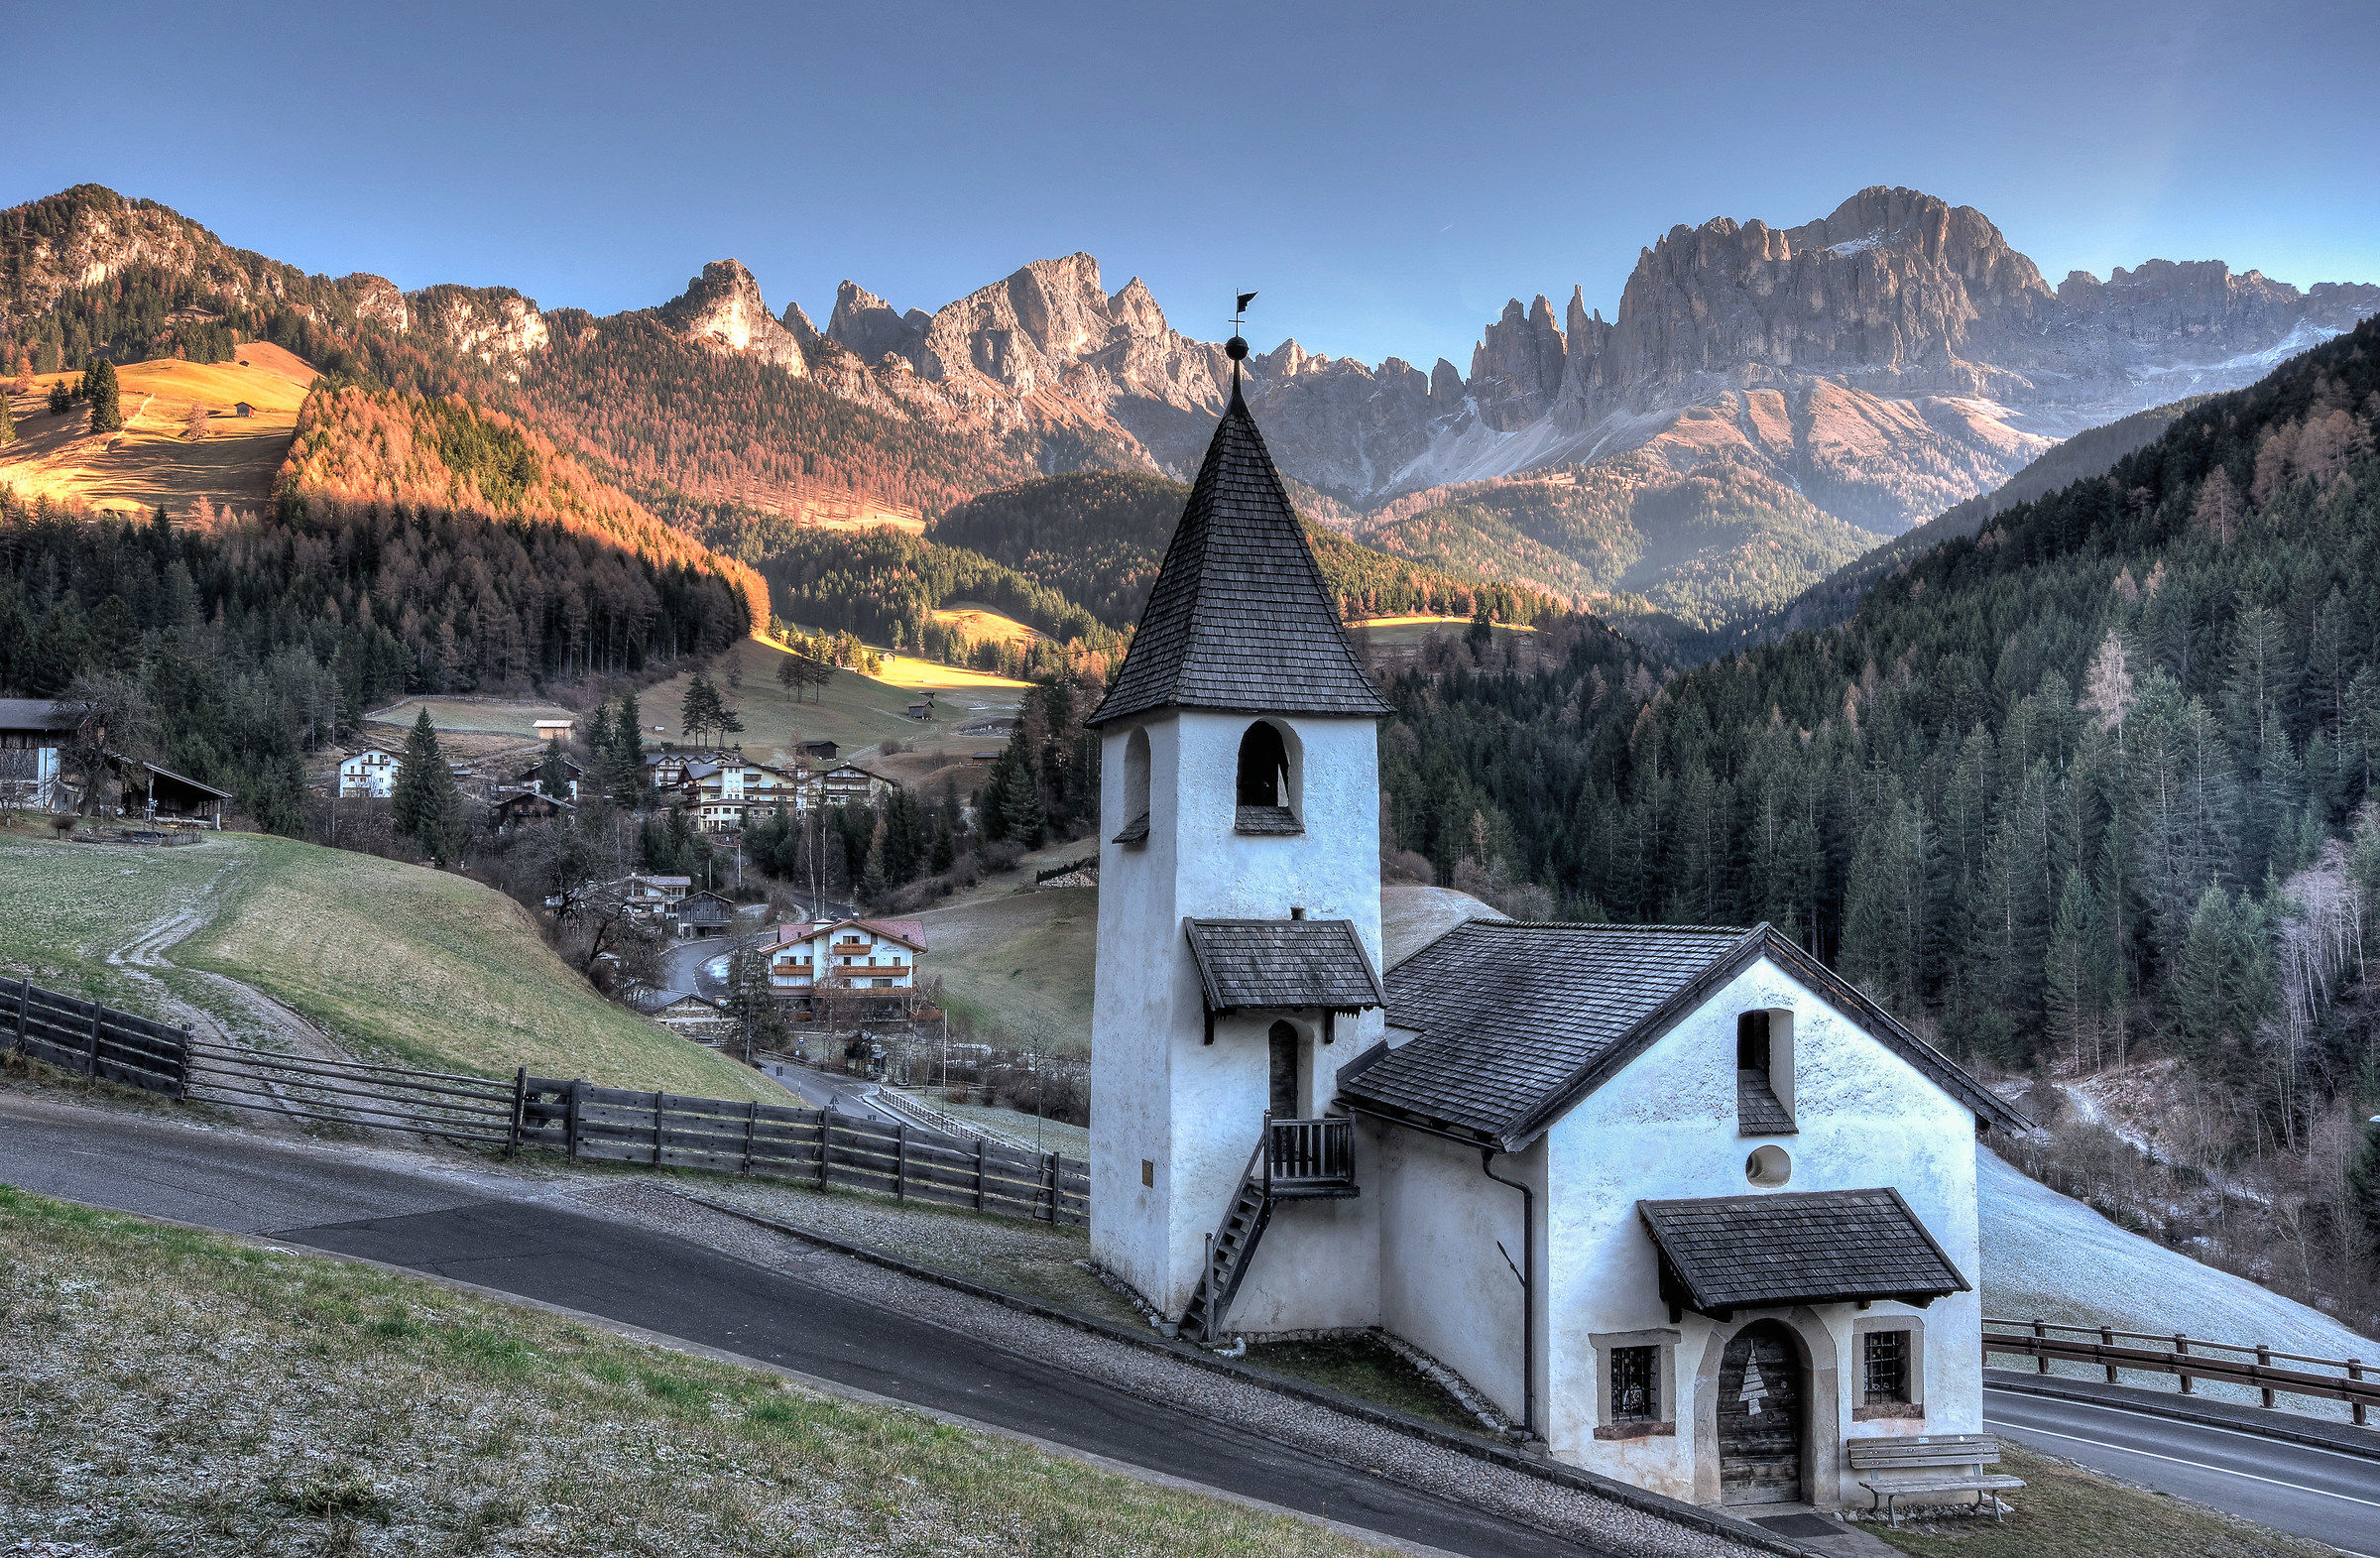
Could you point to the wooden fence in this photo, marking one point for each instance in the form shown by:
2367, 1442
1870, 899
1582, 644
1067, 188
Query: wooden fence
2192, 1358
818, 1146
94, 1040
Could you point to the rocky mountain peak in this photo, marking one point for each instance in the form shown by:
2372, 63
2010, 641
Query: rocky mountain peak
1517, 368
722, 310
492, 324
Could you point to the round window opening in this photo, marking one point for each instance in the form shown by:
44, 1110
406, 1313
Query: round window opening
1768, 1165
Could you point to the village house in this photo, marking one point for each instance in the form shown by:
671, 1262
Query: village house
371, 772
849, 785
703, 914
725, 794
691, 1016
809, 961
1689, 1209
534, 775
32, 733
525, 805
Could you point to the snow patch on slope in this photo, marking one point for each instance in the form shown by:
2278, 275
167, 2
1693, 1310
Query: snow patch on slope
2049, 1256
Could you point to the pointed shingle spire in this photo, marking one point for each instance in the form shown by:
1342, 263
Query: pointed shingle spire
1240, 618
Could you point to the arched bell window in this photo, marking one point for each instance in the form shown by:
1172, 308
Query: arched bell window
1135, 789
1263, 791
1263, 767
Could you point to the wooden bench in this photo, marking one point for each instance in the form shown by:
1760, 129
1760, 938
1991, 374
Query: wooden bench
1899, 1465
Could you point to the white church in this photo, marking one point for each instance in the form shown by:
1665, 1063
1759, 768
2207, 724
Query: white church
1679, 1200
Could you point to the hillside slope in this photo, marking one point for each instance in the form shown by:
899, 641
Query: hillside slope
2084, 455
155, 461
390, 961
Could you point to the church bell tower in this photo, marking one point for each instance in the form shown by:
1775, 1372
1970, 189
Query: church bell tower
1239, 891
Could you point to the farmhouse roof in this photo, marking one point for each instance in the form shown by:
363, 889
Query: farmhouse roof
1282, 963
1727, 1252
1241, 618
37, 714
1518, 1022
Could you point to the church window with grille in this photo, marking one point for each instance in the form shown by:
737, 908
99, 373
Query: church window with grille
1636, 1384
1886, 1360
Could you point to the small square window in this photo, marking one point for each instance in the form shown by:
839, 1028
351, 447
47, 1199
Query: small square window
1149, 1172
1886, 1360
1636, 1384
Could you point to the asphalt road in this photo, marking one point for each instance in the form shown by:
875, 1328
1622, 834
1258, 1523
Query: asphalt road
476, 1228
2326, 1494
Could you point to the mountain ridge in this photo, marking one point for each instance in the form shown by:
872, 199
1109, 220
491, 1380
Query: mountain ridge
1875, 366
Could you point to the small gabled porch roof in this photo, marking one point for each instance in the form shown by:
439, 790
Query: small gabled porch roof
1282, 965
1722, 1253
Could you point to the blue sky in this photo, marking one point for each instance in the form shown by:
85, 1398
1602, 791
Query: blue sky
1384, 175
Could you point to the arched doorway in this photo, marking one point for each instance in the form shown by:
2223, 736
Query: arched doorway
1762, 1416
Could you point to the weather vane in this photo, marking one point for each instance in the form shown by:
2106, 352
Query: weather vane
1236, 347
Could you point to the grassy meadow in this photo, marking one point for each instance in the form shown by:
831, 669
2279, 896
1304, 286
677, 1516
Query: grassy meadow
421, 966
1018, 965
152, 461
170, 1391
853, 710
475, 716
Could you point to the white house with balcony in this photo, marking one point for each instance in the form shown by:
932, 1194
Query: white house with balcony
1693, 1212
371, 772
808, 961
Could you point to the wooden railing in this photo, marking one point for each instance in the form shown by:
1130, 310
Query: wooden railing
1308, 1155
2191, 1359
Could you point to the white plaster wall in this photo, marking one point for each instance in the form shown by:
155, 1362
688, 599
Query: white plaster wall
1162, 1094
1445, 1285
1664, 1129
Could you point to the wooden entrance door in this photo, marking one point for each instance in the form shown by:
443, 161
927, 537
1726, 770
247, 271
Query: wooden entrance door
1761, 1417
1283, 1047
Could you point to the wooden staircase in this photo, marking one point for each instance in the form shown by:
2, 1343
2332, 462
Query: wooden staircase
1294, 1160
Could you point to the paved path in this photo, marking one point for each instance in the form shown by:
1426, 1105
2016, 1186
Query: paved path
2324, 1495
478, 1228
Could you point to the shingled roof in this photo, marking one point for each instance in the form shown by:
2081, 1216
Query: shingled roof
1746, 1252
1282, 963
1241, 618
1518, 1022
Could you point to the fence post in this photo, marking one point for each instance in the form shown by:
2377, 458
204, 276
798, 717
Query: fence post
1049, 1183
2041, 1350
752, 1119
900, 1160
979, 1177
2182, 1350
570, 1119
825, 1140
512, 1136
2107, 1339
2264, 1360
24, 1004
2354, 1374
182, 1068
91, 1064
657, 1129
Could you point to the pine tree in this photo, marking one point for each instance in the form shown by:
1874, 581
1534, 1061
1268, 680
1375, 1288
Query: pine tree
552, 777
872, 883
700, 711
425, 806
8, 422
107, 408
62, 398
